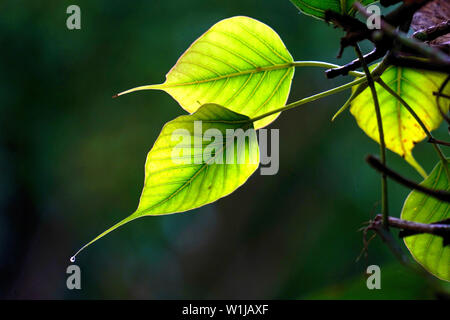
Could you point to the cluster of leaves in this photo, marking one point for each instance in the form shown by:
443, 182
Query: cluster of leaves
238, 75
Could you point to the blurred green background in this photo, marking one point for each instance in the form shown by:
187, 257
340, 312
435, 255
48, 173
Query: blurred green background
72, 164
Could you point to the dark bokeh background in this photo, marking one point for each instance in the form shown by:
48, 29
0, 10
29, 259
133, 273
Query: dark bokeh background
72, 164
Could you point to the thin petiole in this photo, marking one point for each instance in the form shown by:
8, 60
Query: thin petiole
347, 104
311, 98
371, 83
326, 65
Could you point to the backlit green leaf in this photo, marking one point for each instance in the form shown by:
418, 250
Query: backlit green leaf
171, 187
425, 248
178, 174
401, 130
317, 8
239, 63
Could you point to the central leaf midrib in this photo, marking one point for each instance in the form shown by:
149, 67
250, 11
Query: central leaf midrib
343, 6
230, 75
399, 109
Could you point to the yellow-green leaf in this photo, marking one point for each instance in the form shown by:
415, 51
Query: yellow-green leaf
317, 8
239, 63
179, 175
401, 130
428, 249
171, 187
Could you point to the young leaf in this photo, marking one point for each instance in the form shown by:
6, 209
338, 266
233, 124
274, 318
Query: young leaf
179, 175
317, 8
401, 130
428, 249
239, 63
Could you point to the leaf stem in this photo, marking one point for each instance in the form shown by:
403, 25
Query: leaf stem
347, 104
325, 65
311, 98
371, 83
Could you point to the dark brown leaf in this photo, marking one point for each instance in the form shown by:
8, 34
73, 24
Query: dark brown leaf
430, 15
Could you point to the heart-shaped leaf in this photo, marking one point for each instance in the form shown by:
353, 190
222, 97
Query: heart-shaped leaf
197, 159
401, 130
317, 8
428, 249
174, 185
239, 63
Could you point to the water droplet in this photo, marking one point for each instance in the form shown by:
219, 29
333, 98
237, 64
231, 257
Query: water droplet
72, 259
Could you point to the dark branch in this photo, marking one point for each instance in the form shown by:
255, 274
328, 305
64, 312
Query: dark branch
387, 3
418, 63
443, 95
377, 165
405, 12
400, 37
430, 34
376, 225
411, 228
441, 142
355, 30
355, 64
